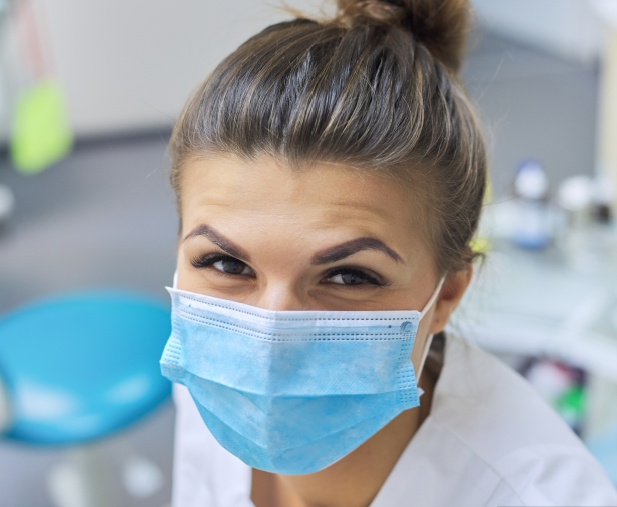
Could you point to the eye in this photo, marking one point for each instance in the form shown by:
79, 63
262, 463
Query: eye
232, 266
351, 276
223, 263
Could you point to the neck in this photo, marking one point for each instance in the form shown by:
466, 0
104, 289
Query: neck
353, 481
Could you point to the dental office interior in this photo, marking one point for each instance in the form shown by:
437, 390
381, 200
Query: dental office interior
89, 92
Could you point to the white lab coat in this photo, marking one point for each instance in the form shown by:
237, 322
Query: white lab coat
488, 441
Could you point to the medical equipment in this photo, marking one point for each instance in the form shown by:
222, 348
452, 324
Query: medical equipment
76, 368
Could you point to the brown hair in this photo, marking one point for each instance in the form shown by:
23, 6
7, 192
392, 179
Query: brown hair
374, 88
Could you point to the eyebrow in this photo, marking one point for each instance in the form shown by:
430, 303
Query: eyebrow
339, 252
219, 240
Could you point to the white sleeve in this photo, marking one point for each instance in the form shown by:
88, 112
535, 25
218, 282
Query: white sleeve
205, 474
553, 474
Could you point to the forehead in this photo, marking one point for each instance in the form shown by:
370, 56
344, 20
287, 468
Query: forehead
316, 198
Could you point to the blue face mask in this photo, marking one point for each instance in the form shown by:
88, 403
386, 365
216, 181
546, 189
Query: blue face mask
291, 392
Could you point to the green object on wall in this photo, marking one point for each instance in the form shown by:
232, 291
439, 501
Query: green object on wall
41, 133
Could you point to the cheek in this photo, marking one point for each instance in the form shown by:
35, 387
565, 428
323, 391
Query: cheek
188, 277
419, 348
185, 275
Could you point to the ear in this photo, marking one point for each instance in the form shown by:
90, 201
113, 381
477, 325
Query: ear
452, 291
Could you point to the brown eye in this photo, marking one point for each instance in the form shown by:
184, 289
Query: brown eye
350, 276
349, 279
222, 263
232, 266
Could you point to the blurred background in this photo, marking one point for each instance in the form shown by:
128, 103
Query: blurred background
88, 207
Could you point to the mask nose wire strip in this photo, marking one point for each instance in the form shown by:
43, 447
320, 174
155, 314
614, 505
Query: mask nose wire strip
427, 307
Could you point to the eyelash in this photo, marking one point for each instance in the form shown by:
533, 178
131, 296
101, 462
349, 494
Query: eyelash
207, 260
354, 271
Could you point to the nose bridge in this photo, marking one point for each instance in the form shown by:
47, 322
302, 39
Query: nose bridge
281, 294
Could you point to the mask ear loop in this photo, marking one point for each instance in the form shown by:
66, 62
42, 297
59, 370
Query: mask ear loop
429, 340
431, 301
175, 284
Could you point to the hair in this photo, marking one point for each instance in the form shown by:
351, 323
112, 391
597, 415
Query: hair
375, 88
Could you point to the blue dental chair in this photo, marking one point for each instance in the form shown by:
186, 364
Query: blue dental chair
76, 368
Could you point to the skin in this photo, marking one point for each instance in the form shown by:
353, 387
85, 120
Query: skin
284, 228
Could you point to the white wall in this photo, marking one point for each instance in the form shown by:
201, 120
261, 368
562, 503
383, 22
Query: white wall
566, 27
130, 64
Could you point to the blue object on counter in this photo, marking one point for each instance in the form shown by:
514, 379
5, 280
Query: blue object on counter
533, 219
80, 366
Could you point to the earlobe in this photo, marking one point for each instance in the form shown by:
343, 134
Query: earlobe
451, 293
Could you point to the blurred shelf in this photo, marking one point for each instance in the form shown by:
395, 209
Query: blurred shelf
544, 303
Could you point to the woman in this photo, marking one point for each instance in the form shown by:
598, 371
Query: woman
329, 178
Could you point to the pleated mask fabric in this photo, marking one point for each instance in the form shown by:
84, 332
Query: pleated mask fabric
291, 392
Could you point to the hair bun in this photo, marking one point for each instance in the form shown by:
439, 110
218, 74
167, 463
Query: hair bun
440, 25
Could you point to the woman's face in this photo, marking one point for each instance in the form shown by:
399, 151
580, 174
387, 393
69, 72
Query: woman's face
326, 237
